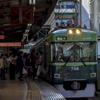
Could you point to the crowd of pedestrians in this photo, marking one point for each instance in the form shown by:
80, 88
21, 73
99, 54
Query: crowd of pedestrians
28, 65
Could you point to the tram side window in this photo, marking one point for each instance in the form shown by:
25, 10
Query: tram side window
52, 52
56, 52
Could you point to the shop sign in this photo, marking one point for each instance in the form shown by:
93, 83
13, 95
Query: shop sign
10, 44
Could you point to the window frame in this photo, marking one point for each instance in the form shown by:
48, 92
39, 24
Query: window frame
74, 51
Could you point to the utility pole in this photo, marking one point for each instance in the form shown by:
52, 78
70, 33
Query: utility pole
79, 12
76, 13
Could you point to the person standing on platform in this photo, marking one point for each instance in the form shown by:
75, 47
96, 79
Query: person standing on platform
33, 58
36, 64
15, 60
40, 65
2, 67
25, 68
6, 63
12, 67
24, 58
21, 65
28, 63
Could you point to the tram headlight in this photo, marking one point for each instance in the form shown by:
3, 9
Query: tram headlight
70, 31
92, 74
78, 31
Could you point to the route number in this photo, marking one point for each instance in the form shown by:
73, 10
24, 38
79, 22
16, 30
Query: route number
74, 68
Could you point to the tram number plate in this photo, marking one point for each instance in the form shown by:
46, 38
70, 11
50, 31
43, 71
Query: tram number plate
74, 68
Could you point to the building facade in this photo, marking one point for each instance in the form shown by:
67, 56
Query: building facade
63, 12
90, 16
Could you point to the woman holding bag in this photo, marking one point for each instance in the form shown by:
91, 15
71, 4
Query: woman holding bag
20, 65
39, 62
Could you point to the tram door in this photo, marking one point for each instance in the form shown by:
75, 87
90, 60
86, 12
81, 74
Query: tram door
46, 56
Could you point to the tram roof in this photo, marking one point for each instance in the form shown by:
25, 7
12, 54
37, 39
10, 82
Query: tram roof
64, 31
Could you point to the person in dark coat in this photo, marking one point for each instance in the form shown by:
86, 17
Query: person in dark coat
36, 64
28, 63
33, 59
7, 63
16, 66
20, 65
12, 67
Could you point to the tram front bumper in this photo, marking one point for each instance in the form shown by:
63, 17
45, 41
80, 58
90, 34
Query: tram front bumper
74, 84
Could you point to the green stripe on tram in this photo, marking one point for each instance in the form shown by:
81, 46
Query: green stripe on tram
75, 63
65, 13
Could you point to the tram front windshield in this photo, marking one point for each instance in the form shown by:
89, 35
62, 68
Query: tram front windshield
76, 51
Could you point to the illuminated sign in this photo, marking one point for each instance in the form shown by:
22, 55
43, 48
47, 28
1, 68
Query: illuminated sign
10, 44
1, 36
61, 38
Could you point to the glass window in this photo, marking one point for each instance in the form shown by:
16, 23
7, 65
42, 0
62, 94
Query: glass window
52, 52
79, 51
57, 7
86, 51
57, 24
60, 50
62, 6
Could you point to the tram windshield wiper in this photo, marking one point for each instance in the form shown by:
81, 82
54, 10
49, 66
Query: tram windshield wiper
66, 59
83, 62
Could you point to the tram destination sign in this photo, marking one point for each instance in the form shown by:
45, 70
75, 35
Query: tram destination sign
10, 44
